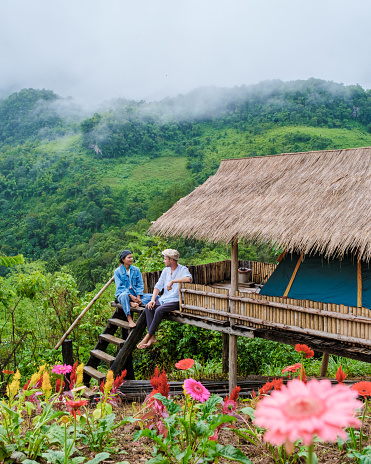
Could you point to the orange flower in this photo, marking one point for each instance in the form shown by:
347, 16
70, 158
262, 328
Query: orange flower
340, 375
8, 372
363, 388
184, 364
304, 350
73, 406
293, 368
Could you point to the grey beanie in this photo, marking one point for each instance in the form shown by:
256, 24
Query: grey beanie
123, 254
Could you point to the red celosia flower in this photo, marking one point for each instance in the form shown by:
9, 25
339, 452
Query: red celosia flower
363, 388
58, 385
293, 368
184, 364
8, 372
73, 376
302, 376
277, 384
159, 382
73, 406
25, 386
235, 394
253, 394
340, 375
305, 350
119, 380
265, 389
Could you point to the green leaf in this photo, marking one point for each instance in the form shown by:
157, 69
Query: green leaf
172, 407
78, 459
249, 412
98, 458
184, 457
158, 460
231, 453
209, 406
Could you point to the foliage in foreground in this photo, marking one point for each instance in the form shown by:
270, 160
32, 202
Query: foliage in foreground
283, 421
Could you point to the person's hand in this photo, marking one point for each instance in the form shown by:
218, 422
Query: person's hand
169, 285
139, 300
151, 304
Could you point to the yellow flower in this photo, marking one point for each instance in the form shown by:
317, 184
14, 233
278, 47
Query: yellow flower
46, 385
13, 388
109, 382
42, 369
79, 373
34, 379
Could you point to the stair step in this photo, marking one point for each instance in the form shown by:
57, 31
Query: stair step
119, 323
94, 373
90, 394
112, 339
133, 310
103, 356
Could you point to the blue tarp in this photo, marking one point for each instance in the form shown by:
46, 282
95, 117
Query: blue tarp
319, 279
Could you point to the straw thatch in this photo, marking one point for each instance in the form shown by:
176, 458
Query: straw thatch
315, 201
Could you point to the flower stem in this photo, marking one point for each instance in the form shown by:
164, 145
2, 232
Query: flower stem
310, 453
363, 421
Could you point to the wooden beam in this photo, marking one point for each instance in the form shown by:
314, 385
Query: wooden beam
288, 288
233, 338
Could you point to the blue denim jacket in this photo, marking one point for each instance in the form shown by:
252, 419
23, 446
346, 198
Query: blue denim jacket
123, 283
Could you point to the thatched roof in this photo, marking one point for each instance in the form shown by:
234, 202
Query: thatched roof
314, 201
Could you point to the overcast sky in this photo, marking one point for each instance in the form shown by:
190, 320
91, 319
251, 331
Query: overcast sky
148, 49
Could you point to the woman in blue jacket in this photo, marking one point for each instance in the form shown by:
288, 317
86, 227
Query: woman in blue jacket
129, 285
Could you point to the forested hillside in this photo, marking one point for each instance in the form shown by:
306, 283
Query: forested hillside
73, 188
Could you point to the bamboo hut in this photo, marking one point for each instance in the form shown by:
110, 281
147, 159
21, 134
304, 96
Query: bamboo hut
311, 204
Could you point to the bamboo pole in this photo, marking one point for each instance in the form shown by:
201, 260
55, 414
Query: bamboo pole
233, 338
359, 283
83, 312
294, 275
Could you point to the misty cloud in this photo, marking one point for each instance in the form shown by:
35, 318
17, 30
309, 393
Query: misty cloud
94, 50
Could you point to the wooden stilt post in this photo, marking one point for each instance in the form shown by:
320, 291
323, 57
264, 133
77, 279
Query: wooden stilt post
324, 365
233, 338
225, 354
67, 355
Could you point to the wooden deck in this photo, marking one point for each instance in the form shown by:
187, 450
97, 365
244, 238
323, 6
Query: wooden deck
329, 328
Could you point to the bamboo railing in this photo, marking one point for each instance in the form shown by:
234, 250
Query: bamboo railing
206, 274
345, 323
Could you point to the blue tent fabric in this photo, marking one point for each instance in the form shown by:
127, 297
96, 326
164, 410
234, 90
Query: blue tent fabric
319, 279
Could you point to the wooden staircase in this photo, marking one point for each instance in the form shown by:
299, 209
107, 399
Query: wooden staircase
125, 342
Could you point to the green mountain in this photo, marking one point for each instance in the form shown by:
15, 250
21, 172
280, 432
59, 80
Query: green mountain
72, 188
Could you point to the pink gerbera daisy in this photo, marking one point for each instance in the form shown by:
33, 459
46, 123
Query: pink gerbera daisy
62, 369
196, 390
303, 411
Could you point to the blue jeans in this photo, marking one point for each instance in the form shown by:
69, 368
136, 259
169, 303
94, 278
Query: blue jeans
124, 299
